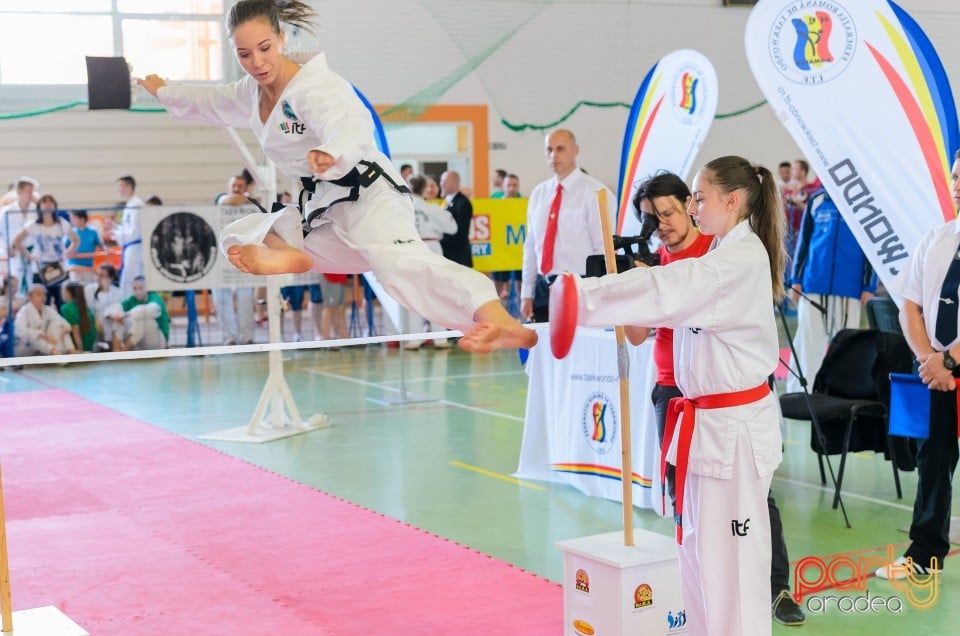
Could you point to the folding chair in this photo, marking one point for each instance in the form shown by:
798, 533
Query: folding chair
846, 400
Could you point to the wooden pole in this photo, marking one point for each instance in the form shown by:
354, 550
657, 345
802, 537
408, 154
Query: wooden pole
623, 366
5, 602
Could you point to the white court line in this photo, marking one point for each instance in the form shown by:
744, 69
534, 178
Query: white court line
463, 376
379, 385
216, 350
844, 493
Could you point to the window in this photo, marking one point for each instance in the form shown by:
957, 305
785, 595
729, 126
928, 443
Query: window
44, 43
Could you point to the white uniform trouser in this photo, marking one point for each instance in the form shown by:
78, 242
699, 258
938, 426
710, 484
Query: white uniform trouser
726, 576
236, 321
34, 346
378, 233
814, 332
140, 327
413, 322
132, 266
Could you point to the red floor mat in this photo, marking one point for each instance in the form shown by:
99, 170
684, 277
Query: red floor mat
132, 530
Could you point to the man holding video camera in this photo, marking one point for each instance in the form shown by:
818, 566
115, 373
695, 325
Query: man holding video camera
563, 227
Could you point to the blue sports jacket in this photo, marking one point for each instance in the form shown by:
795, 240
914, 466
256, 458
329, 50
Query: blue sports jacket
828, 260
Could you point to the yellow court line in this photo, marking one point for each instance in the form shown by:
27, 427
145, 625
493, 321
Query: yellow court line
490, 473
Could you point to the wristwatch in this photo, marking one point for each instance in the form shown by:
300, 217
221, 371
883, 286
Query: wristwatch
948, 362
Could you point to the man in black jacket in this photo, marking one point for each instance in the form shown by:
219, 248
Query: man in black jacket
456, 246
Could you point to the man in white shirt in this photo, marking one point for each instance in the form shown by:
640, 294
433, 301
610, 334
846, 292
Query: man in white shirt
128, 234
929, 288
564, 244
13, 218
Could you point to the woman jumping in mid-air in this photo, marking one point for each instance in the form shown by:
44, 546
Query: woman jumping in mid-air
357, 215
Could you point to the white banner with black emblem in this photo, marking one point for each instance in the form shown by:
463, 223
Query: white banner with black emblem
572, 431
181, 251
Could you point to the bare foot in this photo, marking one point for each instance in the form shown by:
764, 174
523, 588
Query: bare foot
487, 336
257, 259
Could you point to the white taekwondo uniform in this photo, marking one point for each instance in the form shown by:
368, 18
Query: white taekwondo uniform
31, 323
128, 236
725, 341
319, 110
432, 223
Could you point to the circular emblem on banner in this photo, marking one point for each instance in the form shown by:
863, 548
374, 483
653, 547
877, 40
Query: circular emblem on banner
688, 94
600, 422
183, 247
812, 43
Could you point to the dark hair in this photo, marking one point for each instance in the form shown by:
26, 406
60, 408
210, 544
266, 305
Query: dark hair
803, 164
47, 198
406, 166
763, 204
662, 184
111, 272
417, 183
130, 181
246, 176
293, 12
80, 299
80, 214
784, 164
512, 176
501, 173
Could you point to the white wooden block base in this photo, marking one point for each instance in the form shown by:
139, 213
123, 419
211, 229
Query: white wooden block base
610, 589
45, 621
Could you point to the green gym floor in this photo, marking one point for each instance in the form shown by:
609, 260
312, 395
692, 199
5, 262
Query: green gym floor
444, 466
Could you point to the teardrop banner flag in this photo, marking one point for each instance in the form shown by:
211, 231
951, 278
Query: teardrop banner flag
862, 91
668, 122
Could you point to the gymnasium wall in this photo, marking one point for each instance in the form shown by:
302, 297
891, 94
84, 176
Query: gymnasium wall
531, 62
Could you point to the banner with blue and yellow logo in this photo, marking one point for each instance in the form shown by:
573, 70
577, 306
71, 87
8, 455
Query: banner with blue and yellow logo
669, 120
862, 91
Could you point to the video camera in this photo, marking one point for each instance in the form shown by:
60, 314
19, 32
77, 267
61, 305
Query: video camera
596, 264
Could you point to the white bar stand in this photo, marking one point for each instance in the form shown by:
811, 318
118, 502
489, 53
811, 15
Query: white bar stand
270, 419
611, 589
403, 396
276, 394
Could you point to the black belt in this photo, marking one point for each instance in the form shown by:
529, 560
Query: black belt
551, 279
355, 179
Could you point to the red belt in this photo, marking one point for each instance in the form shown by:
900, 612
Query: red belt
687, 410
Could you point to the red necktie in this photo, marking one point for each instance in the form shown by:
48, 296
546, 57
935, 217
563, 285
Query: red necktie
550, 238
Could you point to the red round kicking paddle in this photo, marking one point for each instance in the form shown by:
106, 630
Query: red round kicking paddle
563, 314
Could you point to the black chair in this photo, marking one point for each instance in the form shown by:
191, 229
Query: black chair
849, 398
883, 315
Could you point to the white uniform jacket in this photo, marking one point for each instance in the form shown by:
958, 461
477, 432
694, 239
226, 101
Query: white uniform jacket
30, 323
432, 220
318, 110
725, 339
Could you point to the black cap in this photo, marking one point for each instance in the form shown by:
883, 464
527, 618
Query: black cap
108, 83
